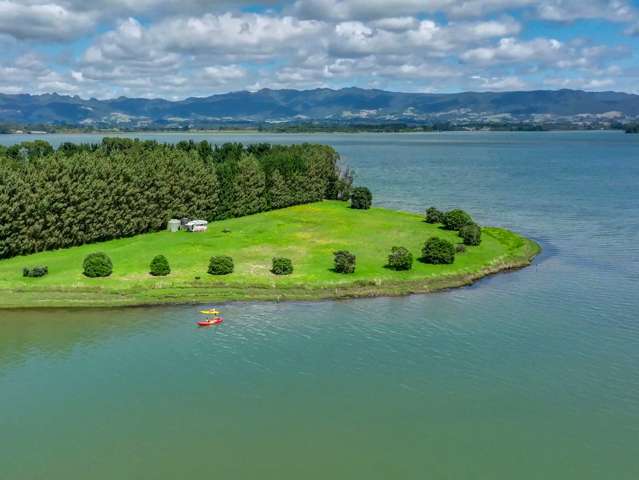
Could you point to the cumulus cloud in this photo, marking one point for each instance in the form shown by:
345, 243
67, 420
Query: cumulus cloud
181, 48
570, 10
496, 84
378, 9
45, 21
513, 50
30, 74
358, 38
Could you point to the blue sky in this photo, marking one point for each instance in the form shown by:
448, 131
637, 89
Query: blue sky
176, 49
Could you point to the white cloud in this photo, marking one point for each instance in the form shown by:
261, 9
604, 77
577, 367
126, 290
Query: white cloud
579, 83
379, 9
512, 50
181, 48
224, 73
359, 38
30, 74
45, 21
235, 34
570, 10
500, 83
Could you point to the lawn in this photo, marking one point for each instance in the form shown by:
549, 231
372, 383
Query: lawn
308, 234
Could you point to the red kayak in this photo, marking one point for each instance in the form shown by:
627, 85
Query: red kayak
210, 322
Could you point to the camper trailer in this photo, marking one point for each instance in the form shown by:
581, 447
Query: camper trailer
196, 226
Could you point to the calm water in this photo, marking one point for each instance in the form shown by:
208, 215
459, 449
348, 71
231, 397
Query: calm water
528, 375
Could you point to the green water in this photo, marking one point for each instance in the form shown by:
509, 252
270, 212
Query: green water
527, 375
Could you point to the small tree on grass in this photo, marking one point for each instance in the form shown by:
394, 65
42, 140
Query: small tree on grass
361, 198
471, 234
97, 265
344, 262
221, 265
35, 272
282, 266
160, 266
438, 251
456, 219
400, 259
434, 216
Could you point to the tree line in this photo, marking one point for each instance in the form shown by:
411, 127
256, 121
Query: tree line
83, 193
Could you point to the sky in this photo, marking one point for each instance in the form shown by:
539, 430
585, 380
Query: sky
181, 48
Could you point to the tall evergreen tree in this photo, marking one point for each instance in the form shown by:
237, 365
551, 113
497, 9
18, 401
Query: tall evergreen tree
250, 187
278, 192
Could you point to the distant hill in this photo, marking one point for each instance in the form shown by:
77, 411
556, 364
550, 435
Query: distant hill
344, 105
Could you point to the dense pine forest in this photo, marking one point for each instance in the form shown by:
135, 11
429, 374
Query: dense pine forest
82, 193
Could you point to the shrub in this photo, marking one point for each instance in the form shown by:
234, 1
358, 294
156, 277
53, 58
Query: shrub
97, 265
282, 266
160, 266
34, 272
361, 198
438, 251
400, 259
221, 265
344, 262
471, 234
460, 248
456, 219
434, 216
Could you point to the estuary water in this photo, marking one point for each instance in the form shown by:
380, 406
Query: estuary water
526, 375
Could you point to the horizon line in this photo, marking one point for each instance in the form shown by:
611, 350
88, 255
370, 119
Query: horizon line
266, 89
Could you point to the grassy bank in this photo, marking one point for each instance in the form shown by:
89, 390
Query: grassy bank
307, 234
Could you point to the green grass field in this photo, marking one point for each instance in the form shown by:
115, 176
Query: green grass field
308, 234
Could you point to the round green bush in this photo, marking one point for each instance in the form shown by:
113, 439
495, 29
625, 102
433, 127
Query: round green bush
221, 265
456, 219
361, 198
434, 216
400, 259
460, 248
344, 262
438, 251
160, 266
97, 265
471, 234
35, 272
282, 266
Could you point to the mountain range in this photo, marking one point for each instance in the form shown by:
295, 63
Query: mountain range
324, 105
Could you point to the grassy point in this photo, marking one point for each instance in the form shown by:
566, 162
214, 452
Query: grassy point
307, 234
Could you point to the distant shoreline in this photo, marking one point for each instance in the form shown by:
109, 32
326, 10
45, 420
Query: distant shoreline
292, 132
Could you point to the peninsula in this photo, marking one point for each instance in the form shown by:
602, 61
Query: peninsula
307, 234
129, 222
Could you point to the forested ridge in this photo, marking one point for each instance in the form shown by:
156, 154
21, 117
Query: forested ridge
84, 193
